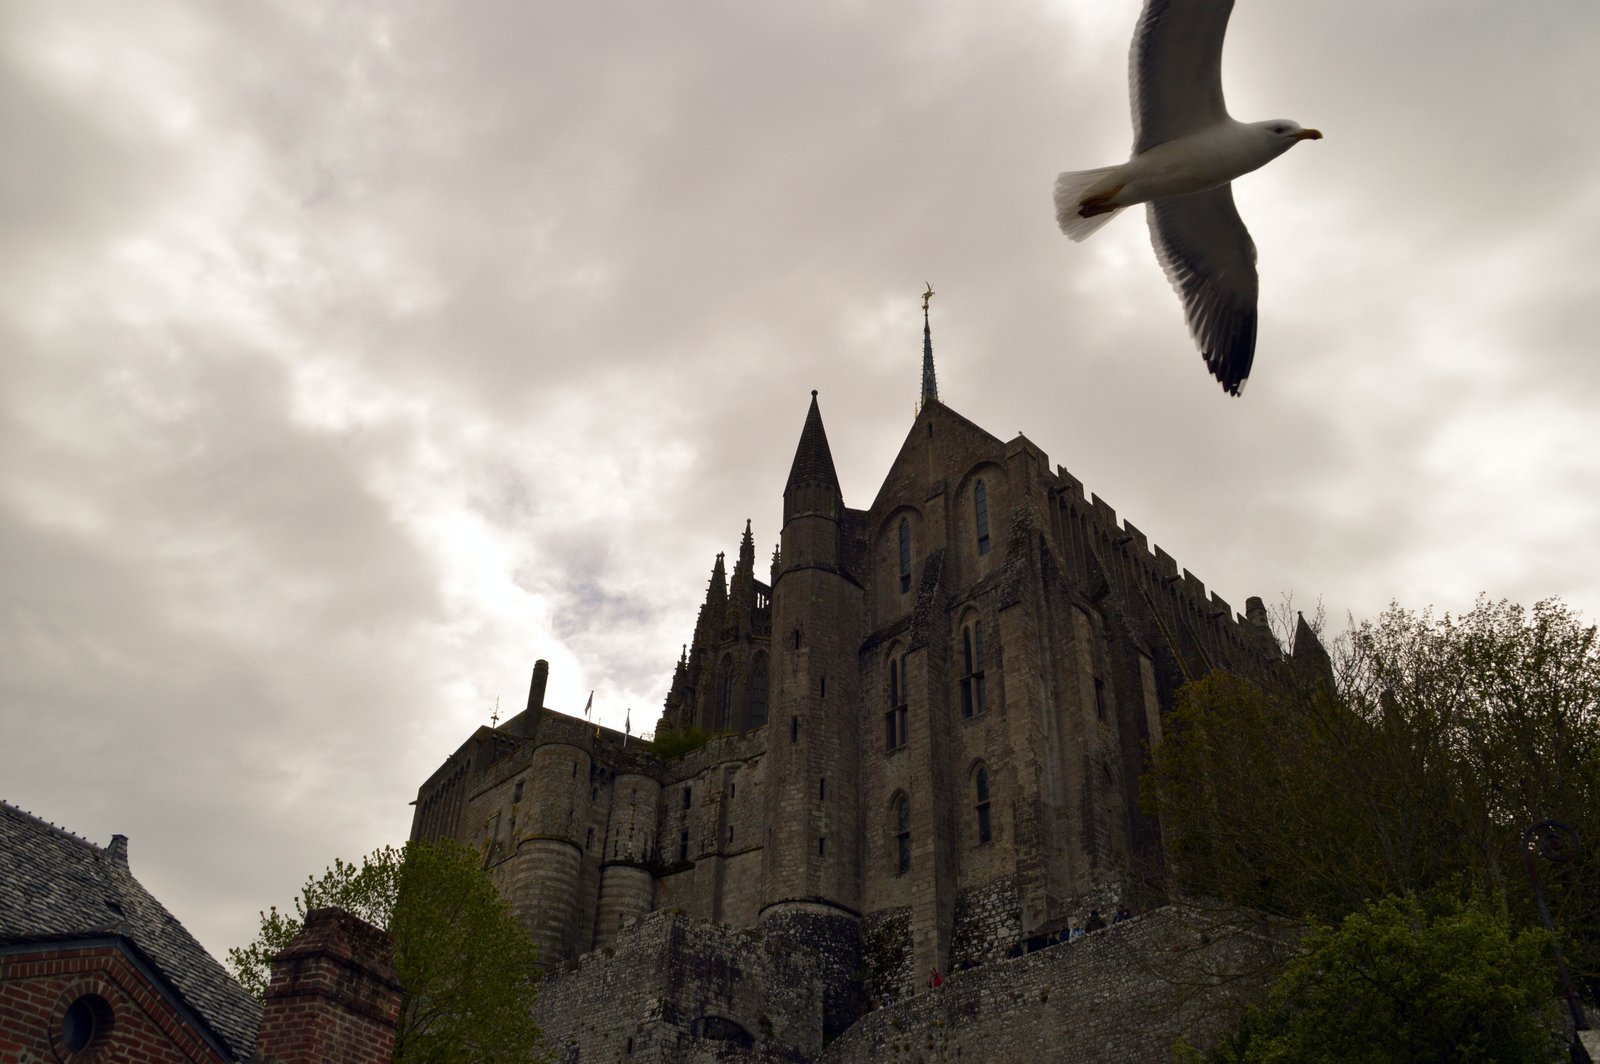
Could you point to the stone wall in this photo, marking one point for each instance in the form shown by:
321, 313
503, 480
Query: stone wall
987, 922
676, 989
1118, 996
886, 955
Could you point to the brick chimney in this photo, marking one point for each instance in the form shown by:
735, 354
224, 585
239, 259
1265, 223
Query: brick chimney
334, 996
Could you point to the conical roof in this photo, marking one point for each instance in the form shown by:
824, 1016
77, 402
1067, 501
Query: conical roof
813, 461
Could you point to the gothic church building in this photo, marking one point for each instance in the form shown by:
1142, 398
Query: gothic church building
933, 715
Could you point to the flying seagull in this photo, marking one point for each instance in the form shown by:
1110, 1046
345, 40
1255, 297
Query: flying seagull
1186, 151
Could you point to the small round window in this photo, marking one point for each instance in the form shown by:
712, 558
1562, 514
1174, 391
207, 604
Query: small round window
87, 1023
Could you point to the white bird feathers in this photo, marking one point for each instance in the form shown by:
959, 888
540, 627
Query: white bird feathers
1186, 151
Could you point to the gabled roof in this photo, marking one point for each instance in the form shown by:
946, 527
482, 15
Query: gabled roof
910, 458
55, 886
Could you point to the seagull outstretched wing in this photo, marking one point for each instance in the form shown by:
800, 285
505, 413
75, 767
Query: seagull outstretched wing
1210, 259
1175, 69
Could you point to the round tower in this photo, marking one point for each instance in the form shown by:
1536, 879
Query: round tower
627, 888
811, 857
544, 883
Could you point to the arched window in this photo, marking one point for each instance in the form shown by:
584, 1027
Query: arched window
900, 824
980, 786
905, 556
980, 505
896, 717
725, 708
758, 690
974, 688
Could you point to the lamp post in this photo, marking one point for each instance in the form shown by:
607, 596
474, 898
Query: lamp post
1558, 843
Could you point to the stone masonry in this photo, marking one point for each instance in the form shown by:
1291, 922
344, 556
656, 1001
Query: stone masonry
931, 723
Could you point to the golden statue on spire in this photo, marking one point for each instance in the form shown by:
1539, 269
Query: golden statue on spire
926, 296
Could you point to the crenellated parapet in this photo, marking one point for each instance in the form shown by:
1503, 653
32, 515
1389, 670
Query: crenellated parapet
1214, 634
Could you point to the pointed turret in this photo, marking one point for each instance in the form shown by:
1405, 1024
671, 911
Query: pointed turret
1310, 656
930, 383
742, 589
747, 551
813, 483
812, 502
708, 628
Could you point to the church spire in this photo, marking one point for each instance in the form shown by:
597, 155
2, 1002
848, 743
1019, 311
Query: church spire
813, 460
930, 383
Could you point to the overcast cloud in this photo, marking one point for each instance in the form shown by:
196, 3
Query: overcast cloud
355, 355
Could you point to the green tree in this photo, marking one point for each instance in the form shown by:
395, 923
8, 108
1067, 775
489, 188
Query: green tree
1440, 740
468, 969
367, 890
1408, 979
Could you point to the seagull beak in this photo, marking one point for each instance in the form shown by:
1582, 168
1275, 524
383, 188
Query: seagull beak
1308, 134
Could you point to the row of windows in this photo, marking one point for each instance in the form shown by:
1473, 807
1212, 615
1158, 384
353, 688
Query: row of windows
974, 685
980, 521
758, 693
900, 819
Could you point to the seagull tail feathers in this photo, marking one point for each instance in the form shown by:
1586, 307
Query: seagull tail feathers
1075, 186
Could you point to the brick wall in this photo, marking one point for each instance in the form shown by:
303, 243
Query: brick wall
133, 1019
334, 996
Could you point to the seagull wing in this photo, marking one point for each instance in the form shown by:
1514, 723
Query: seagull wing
1175, 69
1211, 261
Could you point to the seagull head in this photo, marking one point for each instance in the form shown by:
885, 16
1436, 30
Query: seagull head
1290, 133
1280, 134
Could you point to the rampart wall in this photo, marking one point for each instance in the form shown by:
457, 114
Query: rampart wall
1123, 995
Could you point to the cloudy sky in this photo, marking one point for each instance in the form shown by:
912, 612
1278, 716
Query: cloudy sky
355, 355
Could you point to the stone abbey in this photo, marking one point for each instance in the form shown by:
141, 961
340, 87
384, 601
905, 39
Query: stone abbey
932, 718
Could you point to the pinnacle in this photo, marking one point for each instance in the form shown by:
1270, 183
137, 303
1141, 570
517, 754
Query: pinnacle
813, 460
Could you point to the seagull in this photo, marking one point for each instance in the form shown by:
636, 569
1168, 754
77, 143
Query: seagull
1186, 152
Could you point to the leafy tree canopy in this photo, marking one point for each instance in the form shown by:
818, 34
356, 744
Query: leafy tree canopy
1413, 978
468, 969
1438, 742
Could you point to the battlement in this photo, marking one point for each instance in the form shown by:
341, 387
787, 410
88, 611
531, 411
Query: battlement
1152, 569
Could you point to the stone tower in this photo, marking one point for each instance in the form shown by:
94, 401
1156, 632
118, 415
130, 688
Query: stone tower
811, 876
917, 747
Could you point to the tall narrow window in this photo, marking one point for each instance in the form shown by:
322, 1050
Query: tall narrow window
1100, 698
758, 691
725, 711
905, 556
974, 688
895, 719
902, 835
683, 845
980, 783
980, 505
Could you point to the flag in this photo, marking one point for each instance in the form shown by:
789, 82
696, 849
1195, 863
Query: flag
587, 706
627, 726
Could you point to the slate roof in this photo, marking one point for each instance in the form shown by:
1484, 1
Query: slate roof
57, 886
813, 459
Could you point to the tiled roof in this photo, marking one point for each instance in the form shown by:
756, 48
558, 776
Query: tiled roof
55, 885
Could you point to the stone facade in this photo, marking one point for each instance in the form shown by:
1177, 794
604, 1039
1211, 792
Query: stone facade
935, 716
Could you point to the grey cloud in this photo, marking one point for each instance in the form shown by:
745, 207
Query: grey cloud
463, 338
